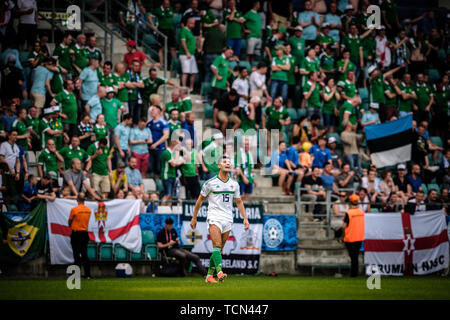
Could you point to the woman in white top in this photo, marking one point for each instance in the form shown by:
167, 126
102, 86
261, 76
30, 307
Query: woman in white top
372, 185
258, 82
339, 209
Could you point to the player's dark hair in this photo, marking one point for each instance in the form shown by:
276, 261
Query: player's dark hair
169, 221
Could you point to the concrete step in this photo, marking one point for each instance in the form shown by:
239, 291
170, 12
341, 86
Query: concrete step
262, 181
312, 233
321, 252
320, 244
305, 260
279, 208
278, 262
263, 191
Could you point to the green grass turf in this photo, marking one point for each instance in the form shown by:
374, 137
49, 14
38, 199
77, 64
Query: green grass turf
235, 287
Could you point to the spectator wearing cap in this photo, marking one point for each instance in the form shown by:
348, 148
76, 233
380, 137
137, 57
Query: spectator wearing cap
309, 21
324, 37
12, 83
252, 29
280, 66
134, 54
100, 164
372, 116
112, 108
121, 138
335, 22
119, 179
335, 155
187, 54
41, 84
75, 179
225, 111
160, 131
297, 43
94, 105
220, 68
348, 17
135, 85
89, 81
354, 232
49, 158
46, 128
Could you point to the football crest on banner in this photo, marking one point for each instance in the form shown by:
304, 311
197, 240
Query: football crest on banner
101, 214
20, 238
273, 233
193, 236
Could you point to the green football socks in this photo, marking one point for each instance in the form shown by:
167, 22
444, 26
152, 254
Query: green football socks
211, 266
216, 257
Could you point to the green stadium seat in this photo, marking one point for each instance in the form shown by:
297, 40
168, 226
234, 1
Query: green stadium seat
205, 89
292, 114
232, 64
301, 112
151, 252
437, 141
434, 186
159, 185
246, 64
120, 253
433, 75
424, 188
92, 250
363, 93
136, 256
106, 251
374, 210
26, 104
148, 237
208, 111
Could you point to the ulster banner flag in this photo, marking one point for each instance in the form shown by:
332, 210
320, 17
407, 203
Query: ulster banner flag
115, 221
390, 142
403, 244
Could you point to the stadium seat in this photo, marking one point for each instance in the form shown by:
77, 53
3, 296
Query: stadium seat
26, 104
424, 188
208, 111
136, 256
301, 112
92, 250
205, 89
149, 185
246, 64
120, 253
106, 251
434, 186
374, 210
433, 75
292, 114
150, 248
232, 64
159, 185
437, 141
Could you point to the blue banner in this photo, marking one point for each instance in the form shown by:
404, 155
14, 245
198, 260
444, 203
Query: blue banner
279, 232
155, 222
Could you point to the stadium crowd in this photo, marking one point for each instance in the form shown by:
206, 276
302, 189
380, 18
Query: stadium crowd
315, 70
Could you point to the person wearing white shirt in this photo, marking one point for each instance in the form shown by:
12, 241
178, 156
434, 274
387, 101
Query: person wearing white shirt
258, 81
241, 85
9, 153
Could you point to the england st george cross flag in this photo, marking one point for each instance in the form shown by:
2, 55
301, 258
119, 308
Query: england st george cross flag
390, 142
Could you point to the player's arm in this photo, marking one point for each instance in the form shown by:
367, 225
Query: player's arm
240, 206
198, 204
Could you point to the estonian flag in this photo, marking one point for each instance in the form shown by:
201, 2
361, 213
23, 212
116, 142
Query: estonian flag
390, 142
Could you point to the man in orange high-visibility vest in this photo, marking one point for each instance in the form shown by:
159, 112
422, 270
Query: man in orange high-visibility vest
354, 232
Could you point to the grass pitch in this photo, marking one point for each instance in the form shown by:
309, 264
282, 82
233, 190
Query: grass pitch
235, 287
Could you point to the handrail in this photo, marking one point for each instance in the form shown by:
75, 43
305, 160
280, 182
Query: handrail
53, 23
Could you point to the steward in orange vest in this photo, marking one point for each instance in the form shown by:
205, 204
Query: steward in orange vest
354, 232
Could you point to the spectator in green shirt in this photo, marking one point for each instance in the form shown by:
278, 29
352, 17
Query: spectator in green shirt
100, 164
220, 69
187, 54
73, 151
275, 116
170, 160
165, 15
425, 99
152, 84
68, 102
111, 109
330, 96
62, 52
48, 159
311, 93
190, 171
209, 20
252, 29
19, 125
280, 68
441, 93
407, 95
297, 44
80, 54
234, 20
